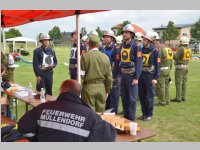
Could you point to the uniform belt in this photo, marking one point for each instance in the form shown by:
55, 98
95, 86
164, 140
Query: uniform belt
72, 66
148, 69
94, 82
181, 66
127, 70
164, 68
47, 70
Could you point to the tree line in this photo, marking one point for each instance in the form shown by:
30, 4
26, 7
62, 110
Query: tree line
170, 33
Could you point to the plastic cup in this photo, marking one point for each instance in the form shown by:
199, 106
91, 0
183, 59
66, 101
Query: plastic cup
133, 128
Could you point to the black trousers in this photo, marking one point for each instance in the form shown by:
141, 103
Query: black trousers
46, 82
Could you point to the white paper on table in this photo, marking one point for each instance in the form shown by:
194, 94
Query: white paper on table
22, 93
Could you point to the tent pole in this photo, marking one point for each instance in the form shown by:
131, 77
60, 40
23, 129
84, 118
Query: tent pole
26, 45
13, 46
78, 49
4, 40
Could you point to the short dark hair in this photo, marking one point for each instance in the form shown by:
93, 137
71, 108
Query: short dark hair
70, 86
73, 34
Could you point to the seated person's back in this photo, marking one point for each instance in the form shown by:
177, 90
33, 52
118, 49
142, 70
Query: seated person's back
67, 119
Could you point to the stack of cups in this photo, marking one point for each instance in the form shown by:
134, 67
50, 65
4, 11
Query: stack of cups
133, 128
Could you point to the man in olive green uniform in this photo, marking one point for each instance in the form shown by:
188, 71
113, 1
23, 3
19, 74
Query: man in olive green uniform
4, 63
96, 76
162, 89
181, 58
7, 62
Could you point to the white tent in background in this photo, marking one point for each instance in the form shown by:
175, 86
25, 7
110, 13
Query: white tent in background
21, 40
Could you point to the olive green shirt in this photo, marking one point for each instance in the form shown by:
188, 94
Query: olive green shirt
164, 61
4, 63
9, 74
95, 66
178, 56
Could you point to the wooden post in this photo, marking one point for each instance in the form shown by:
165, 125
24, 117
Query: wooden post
78, 49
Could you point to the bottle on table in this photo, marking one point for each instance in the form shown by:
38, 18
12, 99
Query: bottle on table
30, 91
42, 95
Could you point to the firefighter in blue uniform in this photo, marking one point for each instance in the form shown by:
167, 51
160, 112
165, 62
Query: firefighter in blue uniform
73, 56
113, 97
84, 42
130, 64
138, 39
44, 60
149, 76
116, 74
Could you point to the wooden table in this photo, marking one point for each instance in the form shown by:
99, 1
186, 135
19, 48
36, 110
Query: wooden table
6, 120
28, 101
141, 135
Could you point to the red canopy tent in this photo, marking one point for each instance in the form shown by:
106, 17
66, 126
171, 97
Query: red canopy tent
11, 18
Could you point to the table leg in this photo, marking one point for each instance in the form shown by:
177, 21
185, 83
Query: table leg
16, 109
26, 107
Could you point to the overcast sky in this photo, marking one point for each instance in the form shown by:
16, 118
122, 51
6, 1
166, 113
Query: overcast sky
147, 19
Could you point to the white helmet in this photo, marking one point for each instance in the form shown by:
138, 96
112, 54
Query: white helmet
109, 33
138, 36
85, 38
93, 33
11, 61
129, 28
149, 36
119, 39
155, 36
184, 40
45, 37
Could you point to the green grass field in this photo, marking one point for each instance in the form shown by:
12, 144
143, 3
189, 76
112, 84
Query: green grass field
176, 122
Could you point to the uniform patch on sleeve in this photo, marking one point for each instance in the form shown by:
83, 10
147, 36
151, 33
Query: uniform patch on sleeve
158, 59
139, 54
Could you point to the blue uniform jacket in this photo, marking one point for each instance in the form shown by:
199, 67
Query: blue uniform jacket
108, 50
135, 58
154, 59
73, 52
115, 61
38, 58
